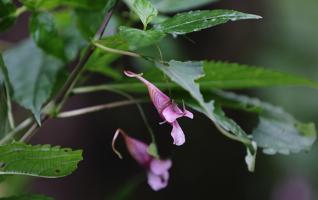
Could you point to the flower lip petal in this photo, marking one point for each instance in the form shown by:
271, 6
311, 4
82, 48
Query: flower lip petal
159, 167
177, 134
158, 182
188, 114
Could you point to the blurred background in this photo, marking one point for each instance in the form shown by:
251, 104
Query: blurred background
208, 166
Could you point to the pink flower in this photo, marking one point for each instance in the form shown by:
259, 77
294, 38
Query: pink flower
157, 170
167, 109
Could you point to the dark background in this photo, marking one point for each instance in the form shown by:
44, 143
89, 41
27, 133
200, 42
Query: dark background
208, 166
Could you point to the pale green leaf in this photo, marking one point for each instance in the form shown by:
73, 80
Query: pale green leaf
277, 131
234, 76
144, 9
192, 21
175, 6
32, 74
38, 160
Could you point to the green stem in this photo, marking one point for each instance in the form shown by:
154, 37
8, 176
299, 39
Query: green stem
96, 108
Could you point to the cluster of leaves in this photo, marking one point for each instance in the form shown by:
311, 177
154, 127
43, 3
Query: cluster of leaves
33, 72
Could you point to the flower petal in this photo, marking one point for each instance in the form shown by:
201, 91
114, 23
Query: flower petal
158, 98
177, 134
138, 150
188, 114
159, 167
172, 112
158, 182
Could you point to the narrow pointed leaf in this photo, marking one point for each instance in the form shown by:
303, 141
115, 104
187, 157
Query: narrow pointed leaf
192, 21
38, 160
235, 76
175, 6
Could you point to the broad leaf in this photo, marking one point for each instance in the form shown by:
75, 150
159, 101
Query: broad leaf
45, 34
51, 4
175, 6
32, 75
185, 74
144, 9
187, 22
277, 131
7, 17
235, 76
38, 160
27, 197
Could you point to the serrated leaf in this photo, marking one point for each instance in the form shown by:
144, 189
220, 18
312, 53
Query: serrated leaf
144, 9
185, 74
27, 197
7, 17
277, 131
39, 160
235, 76
32, 75
51, 4
192, 21
45, 35
175, 6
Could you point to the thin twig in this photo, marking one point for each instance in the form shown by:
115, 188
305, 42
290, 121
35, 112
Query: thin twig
96, 108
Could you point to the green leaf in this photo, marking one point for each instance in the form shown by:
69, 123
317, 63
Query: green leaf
27, 197
185, 74
144, 9
277, 131
187, 22
234, 76
51, 4
7, 14
137, 38
45, 35
32, 75
38, 160
175, 6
